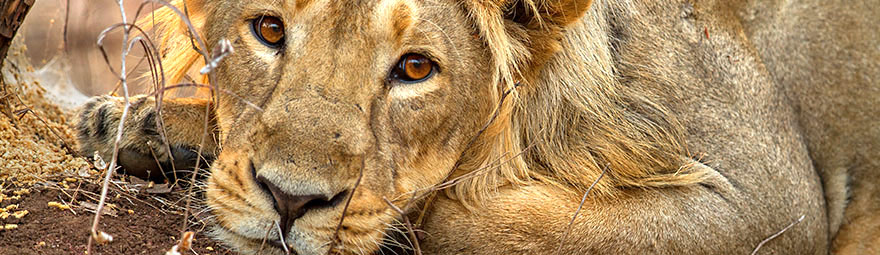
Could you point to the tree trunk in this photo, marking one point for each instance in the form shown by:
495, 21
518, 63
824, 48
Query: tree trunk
12, 13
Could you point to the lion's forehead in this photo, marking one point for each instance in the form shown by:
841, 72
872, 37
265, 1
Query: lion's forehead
375, 17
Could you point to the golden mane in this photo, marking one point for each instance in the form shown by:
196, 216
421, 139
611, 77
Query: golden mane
570, 120
175, 46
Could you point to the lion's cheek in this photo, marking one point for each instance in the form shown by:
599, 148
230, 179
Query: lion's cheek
426, 170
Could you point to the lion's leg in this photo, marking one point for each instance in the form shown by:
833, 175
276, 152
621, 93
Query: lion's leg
142, 151
700, 219
859, 232
834, 80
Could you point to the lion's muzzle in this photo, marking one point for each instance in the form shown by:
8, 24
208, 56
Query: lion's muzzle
291, 207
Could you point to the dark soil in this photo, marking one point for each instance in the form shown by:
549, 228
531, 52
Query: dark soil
151, 227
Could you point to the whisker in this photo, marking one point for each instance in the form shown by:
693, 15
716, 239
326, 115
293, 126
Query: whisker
392, 241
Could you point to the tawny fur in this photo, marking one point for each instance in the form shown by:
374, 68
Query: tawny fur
717, 123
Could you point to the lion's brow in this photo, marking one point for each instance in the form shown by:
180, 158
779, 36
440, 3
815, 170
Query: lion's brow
395, 16
301, 4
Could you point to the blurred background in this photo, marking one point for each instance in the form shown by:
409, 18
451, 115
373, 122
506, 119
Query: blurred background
81, 60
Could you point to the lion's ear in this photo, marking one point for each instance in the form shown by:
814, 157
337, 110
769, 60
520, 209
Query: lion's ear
545, 14
524, 34
538, 25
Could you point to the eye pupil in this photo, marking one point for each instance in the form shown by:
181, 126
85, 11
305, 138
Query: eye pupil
415, 67
270, 30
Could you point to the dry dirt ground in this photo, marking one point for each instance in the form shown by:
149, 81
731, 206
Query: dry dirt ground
47, 193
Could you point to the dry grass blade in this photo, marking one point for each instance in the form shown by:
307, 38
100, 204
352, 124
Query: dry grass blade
483, 129
409, 227
774, 236
578, 211
194, 35
478, 172
223, 49
281, 236
265, 238
213, 88
345, 209
196, 169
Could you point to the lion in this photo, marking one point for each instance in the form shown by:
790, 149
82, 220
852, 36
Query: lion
521, 126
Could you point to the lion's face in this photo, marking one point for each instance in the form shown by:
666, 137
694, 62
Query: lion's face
326, 100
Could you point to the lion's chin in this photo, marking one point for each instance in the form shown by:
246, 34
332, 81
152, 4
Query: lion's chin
298, 244
268, 245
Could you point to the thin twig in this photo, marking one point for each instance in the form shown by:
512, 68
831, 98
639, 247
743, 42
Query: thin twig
119, 129
75, 192
150, 48
777, 234
578, 211
66, 22
409, 227
194, 39
127, 27
5, 105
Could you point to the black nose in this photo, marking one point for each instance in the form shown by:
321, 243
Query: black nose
291, 207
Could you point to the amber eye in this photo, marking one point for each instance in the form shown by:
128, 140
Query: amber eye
414, 68
270, 30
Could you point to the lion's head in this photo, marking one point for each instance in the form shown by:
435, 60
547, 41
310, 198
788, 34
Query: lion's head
330, 110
